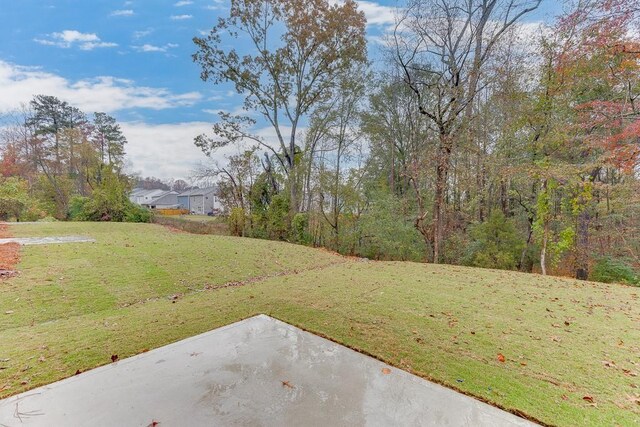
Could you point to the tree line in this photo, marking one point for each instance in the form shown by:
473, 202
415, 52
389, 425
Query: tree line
477, 141
57, 162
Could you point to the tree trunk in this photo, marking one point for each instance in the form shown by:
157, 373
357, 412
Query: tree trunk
543, 253
504, 198
523, 254
582, 242
442, 171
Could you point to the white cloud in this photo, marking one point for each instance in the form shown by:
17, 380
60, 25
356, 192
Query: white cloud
153, 48
70, 38
164, 150
377, 14
123, 12
183, 3
109, 94
149, 48
181, 17
142, 33
167, 150
218, 4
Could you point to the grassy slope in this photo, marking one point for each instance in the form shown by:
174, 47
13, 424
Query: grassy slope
76, 305
202, 218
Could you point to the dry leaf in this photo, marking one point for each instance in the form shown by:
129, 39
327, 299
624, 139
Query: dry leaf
501, 357
386, 371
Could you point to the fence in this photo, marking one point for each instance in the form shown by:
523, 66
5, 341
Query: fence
172, 212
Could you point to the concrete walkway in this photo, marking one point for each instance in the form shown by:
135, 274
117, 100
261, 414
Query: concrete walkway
258, 372
46, 240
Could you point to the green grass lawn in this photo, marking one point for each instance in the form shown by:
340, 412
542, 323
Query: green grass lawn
143, 286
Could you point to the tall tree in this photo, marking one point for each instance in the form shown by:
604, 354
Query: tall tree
109, 139
296, 53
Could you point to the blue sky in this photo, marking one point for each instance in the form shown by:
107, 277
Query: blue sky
132, 59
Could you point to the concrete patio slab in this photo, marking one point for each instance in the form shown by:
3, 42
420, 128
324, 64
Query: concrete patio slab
25, 241
257, 372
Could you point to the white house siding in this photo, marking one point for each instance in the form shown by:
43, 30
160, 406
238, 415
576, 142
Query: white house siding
197, 204
198, 201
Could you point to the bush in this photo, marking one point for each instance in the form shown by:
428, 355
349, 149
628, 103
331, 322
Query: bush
15, 201
610, 270
77, 208
495, 244
387, 233
135, 213
277, 215
101, 207
236, 222
299, 229
48, 219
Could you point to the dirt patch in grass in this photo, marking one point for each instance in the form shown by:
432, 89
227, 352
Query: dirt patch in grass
9, 254
4, 231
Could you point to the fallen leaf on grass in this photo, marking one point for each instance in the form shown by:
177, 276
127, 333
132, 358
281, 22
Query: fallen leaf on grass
564, 397
114, 357
501, 358
588, 398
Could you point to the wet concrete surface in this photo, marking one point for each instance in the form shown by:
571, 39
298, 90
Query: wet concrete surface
257, 372
47, 240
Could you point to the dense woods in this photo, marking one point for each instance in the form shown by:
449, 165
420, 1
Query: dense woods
479, 140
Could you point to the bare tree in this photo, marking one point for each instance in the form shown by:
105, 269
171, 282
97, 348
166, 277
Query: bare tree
442, 47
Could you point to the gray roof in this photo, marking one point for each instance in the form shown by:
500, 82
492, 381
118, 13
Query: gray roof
197, 192
138, 191
170, 198
148, 193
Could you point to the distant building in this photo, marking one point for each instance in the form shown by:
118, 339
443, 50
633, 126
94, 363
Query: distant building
154, 199
200, 201
166, 201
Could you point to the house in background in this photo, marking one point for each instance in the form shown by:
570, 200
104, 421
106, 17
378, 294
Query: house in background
200, 201
154, 199
168, 200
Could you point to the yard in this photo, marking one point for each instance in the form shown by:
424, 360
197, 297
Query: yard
559, 351
202, 218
